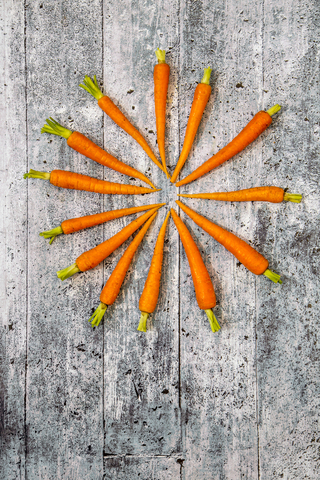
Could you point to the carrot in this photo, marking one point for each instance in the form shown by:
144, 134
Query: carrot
107, 105
77, 181
150, 294
248, 256
89, 149
75, 224
92, 258
113, 285
262, 194
205, 295
161, 74
200, 100
251, 131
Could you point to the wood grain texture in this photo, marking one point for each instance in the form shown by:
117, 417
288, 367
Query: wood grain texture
178, 402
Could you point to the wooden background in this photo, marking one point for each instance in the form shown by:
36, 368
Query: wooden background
178, 402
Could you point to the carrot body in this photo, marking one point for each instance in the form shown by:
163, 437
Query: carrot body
149, 297
200, 100
93, 257
161, 74
250, 132
262, 194
248, 256
76, 181
75, 224
86, 147
113, 285
202, 282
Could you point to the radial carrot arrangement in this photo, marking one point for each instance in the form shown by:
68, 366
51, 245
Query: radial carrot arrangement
161, 74
75, 224
107, 105
205, 295
149, 297
113, 285
77, 181
255, 127
248, 256
257, 194
92, 258
89, 149
200, 100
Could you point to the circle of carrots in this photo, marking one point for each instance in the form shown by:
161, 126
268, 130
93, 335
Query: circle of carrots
77, 181
161, 74
82, 144
205, 294
150, 294
200, 100
251, 131
248, 256
113, 285
260, 194
107, 105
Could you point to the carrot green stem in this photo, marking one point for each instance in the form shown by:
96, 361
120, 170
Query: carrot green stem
92, 87
161, 55
274, 109
272, 276
51, 233
56, 129
206, 76
143, 322
292, 197
215, 327
68, 272
36, 174
98, 315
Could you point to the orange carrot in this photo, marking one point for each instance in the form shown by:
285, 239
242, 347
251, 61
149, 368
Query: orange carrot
107, 105
161, 74
113, 285
248, 256
260, 194
200, 100
89, 149
202, 282
75, 224
150, 294
76, 181
92, 258
251, 131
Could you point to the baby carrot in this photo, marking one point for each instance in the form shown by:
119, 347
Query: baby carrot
76, 181
75, 224
89, 149
115, 281
92, 258
107, 105
248, 256
161, 74
251, 131
260, 194
205, 295
149, 297
200, 100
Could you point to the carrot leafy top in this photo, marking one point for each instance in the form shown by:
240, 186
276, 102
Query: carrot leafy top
56, 129
161, 55
92, 87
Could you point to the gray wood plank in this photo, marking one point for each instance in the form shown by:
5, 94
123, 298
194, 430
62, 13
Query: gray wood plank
13, 241
141, 400
218, 370
288, 328
143, 467
64, 381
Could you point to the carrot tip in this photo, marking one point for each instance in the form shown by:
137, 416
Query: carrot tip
98, 315
143, 322
51, 233
274, 277
215, 327
68, 272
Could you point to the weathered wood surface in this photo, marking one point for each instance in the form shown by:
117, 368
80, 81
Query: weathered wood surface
177, 402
